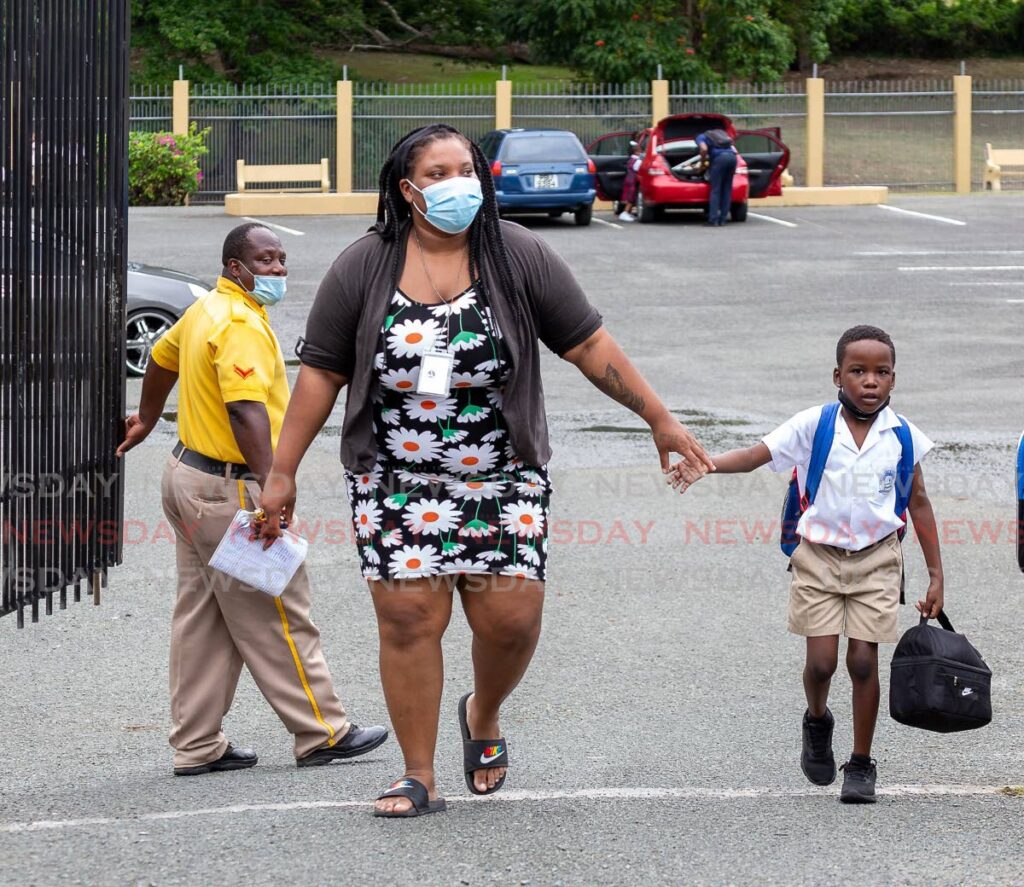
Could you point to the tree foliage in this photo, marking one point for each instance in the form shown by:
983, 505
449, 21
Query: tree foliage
608, 40
274, 40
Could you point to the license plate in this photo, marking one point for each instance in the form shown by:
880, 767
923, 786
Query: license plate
549, 180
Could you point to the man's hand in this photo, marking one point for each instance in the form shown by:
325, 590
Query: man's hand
933, 601
135, 432
278, 503
671, 436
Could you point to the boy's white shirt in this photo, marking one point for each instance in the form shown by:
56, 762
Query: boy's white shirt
856, 502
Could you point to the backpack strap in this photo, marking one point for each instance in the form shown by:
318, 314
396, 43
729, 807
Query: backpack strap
824, 435
905, 470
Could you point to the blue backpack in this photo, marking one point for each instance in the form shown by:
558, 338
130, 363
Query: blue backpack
795, 504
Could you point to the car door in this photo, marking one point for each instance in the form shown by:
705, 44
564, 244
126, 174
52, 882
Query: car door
766, 157
609, 154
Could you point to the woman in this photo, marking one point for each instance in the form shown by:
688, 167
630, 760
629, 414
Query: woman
432, 321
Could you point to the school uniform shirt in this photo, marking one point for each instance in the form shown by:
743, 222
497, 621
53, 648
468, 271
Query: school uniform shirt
223, 350
855, 506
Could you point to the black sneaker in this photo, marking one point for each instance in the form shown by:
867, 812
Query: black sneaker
816, 758
858, 782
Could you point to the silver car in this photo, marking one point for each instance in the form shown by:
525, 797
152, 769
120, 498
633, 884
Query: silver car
157, 297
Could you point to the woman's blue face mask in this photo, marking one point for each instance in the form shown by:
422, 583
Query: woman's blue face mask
452, 204
267, 289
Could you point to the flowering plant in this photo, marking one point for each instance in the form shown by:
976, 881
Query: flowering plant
163, 167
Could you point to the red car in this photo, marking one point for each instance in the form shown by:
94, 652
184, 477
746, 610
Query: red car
668, 177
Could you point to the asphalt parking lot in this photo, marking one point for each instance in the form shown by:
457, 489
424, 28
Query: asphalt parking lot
656, 737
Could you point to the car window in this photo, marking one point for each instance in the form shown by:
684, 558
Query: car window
489, 145
553, 148
755, 143
679, 145
613, 146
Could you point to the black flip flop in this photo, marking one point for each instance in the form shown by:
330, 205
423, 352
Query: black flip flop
480, 754
415, 791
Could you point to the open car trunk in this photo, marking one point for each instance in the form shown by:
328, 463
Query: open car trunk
683, 159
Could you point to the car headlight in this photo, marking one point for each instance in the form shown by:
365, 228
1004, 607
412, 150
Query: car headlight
197, 290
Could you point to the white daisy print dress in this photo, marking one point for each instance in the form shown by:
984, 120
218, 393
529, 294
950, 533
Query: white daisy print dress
448, 494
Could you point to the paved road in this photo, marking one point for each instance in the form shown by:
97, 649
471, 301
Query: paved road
655, 737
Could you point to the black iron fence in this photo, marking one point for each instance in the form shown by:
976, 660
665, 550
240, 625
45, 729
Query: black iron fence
63, 183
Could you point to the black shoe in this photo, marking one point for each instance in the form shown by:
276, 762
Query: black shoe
816, 758
232, 759
858, 782
358, 741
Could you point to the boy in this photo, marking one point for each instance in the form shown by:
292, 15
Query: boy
848, 567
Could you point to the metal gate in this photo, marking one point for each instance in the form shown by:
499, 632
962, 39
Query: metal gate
64, 188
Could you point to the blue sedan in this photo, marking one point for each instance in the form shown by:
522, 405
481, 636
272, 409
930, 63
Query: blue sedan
541, 171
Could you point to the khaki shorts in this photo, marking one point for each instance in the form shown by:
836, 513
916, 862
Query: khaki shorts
856, 593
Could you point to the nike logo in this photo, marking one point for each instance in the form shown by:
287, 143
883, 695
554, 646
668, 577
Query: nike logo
244, 373
967, 691
491, 753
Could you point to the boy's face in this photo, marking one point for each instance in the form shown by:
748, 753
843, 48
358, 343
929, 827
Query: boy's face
867, 374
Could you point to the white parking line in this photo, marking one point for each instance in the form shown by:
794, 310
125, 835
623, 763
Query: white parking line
1015, 301
910, 212
603, 222
961, 268
511, 796
273, 225
943, 252
772, 219
986, 283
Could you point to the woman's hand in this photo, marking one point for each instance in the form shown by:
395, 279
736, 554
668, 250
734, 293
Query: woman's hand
278, 503
671, 436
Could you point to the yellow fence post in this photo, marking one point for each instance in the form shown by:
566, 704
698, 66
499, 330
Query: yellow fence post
503, 104
343, 134
815, 132
962, 133
659, 101
179, 107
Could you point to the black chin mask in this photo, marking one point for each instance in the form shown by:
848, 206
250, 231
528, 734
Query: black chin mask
858, 413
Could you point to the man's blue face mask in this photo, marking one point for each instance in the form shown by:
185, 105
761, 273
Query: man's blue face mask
267, 289
452, 204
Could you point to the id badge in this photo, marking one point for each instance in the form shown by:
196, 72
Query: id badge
435, 373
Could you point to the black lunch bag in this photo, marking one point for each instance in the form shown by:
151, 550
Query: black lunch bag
939, 681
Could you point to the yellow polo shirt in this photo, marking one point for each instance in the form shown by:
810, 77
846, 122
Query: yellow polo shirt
223, 350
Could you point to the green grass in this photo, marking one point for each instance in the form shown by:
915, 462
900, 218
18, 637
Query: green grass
400, 67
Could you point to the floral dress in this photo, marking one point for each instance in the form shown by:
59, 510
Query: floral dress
448, 494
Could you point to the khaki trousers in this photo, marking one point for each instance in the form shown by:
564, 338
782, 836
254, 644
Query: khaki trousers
220, 624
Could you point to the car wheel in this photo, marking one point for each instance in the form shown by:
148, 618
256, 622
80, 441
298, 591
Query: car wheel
555, 214
738, 212
644, 211
583, 215
144, 328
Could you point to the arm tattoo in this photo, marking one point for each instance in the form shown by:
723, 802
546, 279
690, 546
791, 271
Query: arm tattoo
616, 388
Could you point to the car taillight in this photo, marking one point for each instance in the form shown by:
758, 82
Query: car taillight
658, 166
590, 166
496, 168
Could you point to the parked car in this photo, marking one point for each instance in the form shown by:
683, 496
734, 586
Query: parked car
157, 297
541, 171
670, 179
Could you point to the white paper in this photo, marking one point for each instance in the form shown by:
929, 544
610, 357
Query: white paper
268, 570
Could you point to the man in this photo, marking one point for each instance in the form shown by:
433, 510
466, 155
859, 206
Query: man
232, 401
719, 156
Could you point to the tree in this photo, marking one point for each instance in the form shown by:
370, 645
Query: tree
267, 40
808, 22
617, 40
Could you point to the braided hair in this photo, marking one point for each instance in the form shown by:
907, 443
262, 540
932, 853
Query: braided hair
484, 234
